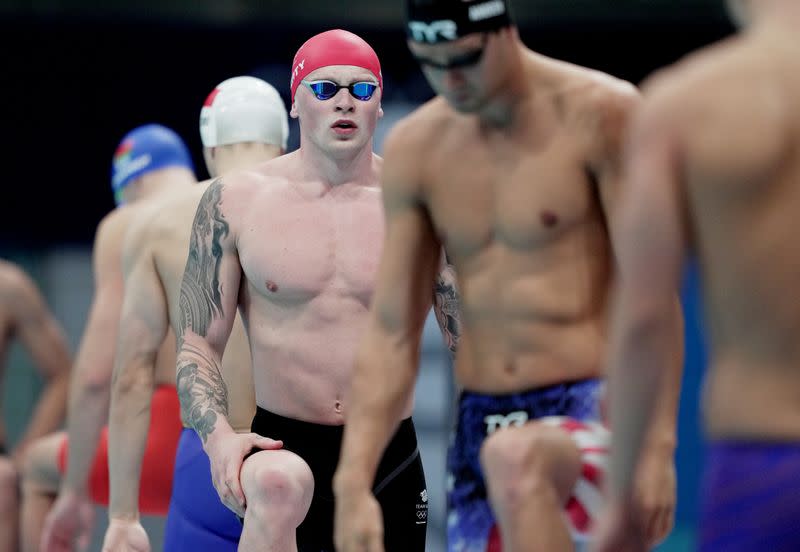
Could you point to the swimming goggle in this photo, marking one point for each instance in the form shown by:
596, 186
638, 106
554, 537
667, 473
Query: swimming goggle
325, 89
462, 61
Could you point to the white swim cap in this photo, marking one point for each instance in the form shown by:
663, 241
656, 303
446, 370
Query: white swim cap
244, 109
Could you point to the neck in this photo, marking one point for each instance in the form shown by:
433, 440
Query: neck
227, 160
334, 170
501, 110
166, 181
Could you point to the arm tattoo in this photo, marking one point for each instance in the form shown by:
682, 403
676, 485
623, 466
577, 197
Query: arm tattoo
445, 306
201, 389
201, 293
202, 393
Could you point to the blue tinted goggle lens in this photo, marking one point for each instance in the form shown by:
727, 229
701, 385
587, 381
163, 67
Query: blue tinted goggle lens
325, 90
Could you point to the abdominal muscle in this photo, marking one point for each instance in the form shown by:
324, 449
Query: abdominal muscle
520, 355
531, 321
303, 357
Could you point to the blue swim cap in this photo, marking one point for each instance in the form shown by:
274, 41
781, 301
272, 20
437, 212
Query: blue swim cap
143, 150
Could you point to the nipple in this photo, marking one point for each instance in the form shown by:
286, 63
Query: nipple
549, 219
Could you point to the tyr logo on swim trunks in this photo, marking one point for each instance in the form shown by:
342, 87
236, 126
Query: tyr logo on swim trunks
499, 421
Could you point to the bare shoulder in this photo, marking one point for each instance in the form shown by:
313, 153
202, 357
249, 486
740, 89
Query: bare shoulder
11, 275
15, 284
607, 94
112, 228
172, 213
236, 191
601, 106
722, 105
410, 143
416, 131
690, 84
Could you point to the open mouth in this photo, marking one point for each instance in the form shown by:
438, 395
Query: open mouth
344, 125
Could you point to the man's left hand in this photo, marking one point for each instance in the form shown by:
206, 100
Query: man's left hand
654, 493
620, 530
358, 522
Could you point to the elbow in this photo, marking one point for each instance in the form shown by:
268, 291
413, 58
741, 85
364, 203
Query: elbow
646, 315
381, 348
58, 380
644, 327
642, 330
129, 383
96, 383
134, 371
385, 371
130, 397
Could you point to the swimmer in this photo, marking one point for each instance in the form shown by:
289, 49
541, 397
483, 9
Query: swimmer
711, 172
514, 170
24, 317
57, 507
243, 123
295, 244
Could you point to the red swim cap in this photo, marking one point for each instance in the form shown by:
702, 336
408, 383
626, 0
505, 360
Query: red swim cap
335, 47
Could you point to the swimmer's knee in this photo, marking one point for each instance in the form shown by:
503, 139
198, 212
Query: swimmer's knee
40, 472
279, 478
534, 458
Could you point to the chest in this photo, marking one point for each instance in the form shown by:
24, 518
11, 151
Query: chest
521, 197
307, 247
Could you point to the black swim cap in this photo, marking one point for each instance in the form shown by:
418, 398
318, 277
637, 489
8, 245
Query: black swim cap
434, 21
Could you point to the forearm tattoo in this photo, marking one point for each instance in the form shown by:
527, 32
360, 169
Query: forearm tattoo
201, 293
201, 389
203, 396
445, 306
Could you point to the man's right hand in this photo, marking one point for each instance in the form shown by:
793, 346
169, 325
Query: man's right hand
125, 536
226, 452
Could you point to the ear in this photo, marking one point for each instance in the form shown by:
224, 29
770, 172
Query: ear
380, 111
293, 112
208, 157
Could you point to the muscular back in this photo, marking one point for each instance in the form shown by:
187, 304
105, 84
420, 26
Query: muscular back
740, 140
520, 211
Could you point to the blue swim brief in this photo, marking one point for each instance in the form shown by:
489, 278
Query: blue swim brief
197, 519
751, 498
